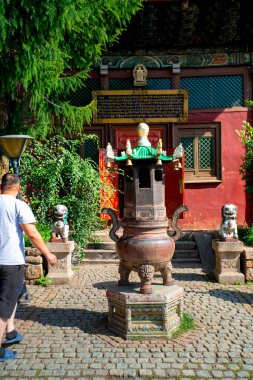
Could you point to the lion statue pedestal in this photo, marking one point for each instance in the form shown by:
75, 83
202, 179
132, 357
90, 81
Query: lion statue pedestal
61, 273
228, 248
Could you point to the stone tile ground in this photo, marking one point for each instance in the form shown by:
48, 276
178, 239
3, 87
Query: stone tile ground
66, 335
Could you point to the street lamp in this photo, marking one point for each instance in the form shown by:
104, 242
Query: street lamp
13, 147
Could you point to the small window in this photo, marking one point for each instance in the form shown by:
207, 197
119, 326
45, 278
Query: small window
202, 151
129, 175
158, 175
144, 178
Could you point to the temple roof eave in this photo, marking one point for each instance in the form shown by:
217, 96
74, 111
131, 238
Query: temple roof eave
187, 59
143, 153
126, 157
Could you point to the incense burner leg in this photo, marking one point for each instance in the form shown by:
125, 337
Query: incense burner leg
124, 275
146, 273
166, 273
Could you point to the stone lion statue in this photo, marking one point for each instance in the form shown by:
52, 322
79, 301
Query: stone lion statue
228, 228
60, 227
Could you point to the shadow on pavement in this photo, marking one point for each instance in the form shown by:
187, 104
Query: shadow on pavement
91, 322
157, 280
234, 296
61, 317
191, 277
107, 284
178, 277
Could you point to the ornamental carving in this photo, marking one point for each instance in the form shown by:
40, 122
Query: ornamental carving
147, 272
140, 75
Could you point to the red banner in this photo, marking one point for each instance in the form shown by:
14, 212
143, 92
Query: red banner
109, 193
121, 136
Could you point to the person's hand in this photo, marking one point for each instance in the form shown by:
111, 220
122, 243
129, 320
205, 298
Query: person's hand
52, 259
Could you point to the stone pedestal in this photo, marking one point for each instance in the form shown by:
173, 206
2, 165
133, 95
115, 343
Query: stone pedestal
133, 315
227, 261
33, 265
61, 273
247, 263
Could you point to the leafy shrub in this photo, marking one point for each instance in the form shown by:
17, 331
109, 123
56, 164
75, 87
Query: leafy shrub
246, 235
54, 173
246, 137
44, 230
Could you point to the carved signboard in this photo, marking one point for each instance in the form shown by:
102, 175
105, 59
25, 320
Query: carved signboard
141, 106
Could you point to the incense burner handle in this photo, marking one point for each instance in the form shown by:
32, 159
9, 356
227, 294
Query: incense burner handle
115, 223
177, 231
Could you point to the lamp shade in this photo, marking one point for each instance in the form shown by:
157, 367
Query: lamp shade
14, 145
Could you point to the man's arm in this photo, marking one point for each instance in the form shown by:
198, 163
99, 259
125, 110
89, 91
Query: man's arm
35, 238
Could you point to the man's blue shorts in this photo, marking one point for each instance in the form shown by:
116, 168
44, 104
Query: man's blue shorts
11, 283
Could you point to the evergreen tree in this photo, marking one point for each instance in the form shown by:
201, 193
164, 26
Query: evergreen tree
41, 44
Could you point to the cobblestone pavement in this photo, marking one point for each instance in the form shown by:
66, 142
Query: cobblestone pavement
66, 336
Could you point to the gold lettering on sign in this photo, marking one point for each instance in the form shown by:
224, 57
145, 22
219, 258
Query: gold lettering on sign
136, 106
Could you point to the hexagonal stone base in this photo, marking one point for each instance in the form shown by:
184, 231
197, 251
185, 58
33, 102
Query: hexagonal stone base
133, 315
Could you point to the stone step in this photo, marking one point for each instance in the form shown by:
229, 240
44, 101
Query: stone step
185, 260
186, 264
99, 261
105, 250
109, 254
186, 253
103, 236
180, 261
93, 254
102, 245
180, 244
185, 244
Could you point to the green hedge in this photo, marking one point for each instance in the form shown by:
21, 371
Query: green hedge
246, 235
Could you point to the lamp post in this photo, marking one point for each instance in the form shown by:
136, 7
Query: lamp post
13, 147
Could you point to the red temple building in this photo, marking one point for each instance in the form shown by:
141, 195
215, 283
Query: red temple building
202, 50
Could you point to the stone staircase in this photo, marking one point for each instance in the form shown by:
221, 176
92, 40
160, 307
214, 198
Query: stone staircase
186, 252
104, 251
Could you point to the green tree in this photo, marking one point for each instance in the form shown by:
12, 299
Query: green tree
246, 137
41, 43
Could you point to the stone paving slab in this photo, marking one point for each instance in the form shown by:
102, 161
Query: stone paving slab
66, 335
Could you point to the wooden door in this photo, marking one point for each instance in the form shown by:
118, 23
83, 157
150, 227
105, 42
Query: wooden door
174, 186
109, 193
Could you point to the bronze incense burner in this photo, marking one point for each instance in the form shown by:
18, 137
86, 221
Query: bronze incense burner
145, 246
